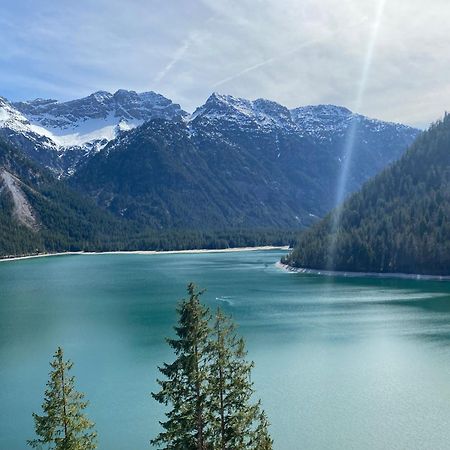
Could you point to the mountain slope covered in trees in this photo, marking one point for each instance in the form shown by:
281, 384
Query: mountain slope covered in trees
237, 163
39, 213
138, 173
398, 222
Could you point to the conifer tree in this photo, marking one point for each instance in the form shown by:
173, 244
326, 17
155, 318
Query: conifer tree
236, 423
208, 386
185, 384
63, 426
261, 439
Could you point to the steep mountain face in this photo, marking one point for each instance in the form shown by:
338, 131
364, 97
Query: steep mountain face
232, 163
237, 163
16, 129
58, 135
39, 213
310, 143
160, 174
122, 106
243, 114
398, 222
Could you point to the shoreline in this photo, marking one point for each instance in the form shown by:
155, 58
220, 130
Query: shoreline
147, 252
342, 274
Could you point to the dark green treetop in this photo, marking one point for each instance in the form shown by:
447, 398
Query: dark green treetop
208, 386
234, 418
185, 386
63, 425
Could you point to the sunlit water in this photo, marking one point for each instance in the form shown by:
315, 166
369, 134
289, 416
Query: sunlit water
340, 364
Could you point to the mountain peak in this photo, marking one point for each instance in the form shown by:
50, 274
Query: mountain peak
217, 100
261, 112
10, 117
96, 116
101, 96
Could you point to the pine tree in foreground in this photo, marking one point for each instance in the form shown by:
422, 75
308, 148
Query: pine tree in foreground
208, 387
63, 426
186, 385
234, 419
261, 437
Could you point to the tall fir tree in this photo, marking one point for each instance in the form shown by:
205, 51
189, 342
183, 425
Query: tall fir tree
208, 386
63, 426
236, 422
185, 385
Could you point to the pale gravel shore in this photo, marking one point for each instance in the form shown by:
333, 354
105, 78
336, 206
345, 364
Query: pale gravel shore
148, 252
332, 273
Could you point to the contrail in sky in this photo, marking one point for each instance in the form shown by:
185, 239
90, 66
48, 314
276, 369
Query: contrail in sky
288, 53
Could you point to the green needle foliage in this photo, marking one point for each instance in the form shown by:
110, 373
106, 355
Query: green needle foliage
63, 426
233, 416
208, 386
261, 436
186, 385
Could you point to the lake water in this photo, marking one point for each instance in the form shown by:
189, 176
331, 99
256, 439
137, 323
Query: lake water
340, 363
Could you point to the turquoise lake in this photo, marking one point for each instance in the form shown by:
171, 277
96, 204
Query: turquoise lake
340, 363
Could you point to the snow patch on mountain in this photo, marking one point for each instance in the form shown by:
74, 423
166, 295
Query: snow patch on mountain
98, 117
11, 118
73, 130
324, 121
319, 122
123, 105
262, 113
85, 131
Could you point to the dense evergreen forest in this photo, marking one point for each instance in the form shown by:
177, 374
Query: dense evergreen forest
398, 222
223, 170
63, 220
54, 218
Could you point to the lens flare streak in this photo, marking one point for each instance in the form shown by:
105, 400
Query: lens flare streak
349, 145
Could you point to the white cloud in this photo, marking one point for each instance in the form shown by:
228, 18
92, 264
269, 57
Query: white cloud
292, 52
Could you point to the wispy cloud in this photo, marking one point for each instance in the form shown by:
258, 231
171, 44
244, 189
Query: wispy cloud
275, 59
292, 52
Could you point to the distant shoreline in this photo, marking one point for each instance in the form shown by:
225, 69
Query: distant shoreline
146, 252
336, 273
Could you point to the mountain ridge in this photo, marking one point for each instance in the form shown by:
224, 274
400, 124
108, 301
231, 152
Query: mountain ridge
98, 118
399, 222
275, 175
233, 163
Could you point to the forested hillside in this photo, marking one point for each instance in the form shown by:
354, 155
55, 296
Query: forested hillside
41, 214
137, 173
398, 222
237, 163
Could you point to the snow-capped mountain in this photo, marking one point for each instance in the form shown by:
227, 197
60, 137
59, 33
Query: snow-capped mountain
232, 163
61, 135
14, 121
97, 116
321, 121
16, 129
238, 163
265, 114
58, 134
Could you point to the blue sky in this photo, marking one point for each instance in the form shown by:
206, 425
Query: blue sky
384, 58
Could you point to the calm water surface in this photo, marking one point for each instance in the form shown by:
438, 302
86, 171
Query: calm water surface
340, 363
